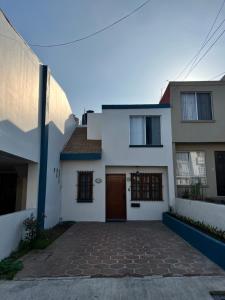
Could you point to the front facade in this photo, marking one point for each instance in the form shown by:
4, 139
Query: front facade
198, 130
119, 166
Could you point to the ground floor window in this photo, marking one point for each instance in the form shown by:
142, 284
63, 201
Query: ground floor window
85, 186
146, 187
190, 168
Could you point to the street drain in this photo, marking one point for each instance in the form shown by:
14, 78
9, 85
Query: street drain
218, 295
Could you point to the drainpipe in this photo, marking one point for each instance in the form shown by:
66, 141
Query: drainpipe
43, 146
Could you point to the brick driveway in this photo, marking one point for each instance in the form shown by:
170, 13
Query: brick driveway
118, 249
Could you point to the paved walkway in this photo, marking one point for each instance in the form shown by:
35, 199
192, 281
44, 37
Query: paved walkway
164, 288
116, 250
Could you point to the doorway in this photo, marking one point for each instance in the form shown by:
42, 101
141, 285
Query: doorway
116, 197
220, 172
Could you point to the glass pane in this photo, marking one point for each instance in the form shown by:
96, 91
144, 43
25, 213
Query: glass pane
204, 106
137, 130
148, 130
156, 135
197, 163
182, 166
189, 106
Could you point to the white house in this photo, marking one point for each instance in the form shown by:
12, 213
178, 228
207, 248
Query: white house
119, 166
35, 123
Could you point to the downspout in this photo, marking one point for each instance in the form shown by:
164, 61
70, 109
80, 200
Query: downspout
43, 147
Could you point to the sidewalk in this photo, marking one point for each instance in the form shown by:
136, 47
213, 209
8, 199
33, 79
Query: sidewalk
154, 288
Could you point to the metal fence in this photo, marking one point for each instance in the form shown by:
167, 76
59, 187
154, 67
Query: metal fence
194, 192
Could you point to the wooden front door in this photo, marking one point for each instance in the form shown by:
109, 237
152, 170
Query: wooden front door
220, 172
115, 197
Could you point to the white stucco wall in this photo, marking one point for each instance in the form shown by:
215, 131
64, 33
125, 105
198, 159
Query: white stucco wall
148, 210
94, 126
117, 156
11, 231
71, 209
32, 185
116, 140
61, 125
19, 95
209, 213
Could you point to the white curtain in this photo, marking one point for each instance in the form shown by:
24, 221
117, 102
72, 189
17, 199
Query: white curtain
137, 130
197, 164
183, 169
189, 106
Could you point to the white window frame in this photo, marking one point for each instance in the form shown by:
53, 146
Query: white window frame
145, 137
189, 165
196, 104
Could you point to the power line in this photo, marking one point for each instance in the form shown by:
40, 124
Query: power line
205, 53
204, 42
218, 75
206, 38
96, 32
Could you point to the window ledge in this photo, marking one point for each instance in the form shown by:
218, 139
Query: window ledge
145, 146
198, 121
84, 201
147, 200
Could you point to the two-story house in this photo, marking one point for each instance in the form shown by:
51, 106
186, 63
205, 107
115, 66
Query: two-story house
119, 166
198, 136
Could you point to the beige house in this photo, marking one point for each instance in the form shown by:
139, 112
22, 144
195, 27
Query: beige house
198, 135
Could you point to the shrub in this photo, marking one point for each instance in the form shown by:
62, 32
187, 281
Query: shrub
209, 229
30, 224
9, 267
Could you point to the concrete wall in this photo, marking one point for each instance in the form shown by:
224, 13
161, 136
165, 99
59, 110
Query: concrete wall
19, 95
71, 210
198, 131
32, 185
11, 237
61, 125
94, 126
209, 149
95, 211
209, 213
148, 210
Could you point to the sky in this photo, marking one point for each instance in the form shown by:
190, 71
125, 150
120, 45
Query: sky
130, 63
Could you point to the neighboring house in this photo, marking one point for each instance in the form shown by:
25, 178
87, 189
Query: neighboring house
198, 134
119, 166
35, 123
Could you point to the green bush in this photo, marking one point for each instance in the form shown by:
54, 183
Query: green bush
209, 229
41, 243
9, 267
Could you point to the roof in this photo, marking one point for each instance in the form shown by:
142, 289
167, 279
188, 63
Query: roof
80, 148
135, 106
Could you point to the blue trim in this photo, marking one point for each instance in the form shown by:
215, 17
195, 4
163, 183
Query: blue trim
80, 156
135, 106
43, 149
210, 247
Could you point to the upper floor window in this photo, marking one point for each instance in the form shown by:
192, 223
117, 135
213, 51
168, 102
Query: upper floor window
196, 106
145, 131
